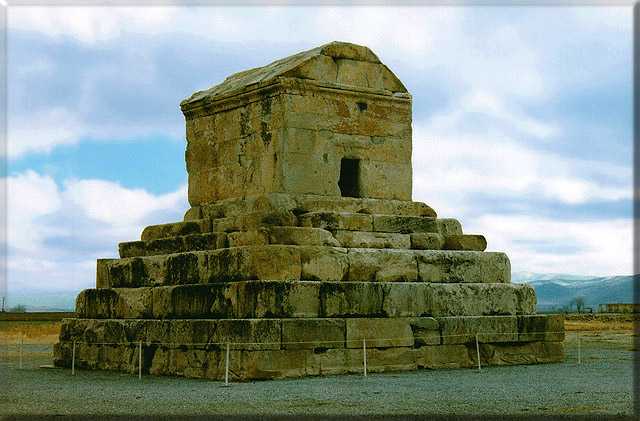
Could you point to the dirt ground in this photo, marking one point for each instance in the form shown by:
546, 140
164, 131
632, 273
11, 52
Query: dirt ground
596, 378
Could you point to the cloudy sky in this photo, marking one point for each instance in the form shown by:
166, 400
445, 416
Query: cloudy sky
522, 122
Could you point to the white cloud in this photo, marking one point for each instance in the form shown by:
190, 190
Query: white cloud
89, 24
55, 234
472, 149
543, 245
115, 205
43, 131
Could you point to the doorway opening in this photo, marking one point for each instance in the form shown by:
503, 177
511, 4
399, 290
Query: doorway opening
349, 182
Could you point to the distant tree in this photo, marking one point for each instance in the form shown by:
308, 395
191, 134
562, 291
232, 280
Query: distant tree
20, 308
579, 303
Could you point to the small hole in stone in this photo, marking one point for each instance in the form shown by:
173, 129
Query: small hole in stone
362, 106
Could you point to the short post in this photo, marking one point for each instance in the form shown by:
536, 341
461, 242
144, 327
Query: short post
478, 352
140, 360
21, 345
364, 355
73, 359
579, 352
226, 367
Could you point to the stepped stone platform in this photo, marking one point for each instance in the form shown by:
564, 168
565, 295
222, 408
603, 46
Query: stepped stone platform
302, 246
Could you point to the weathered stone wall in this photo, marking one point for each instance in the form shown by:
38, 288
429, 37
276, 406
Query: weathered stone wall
291, 138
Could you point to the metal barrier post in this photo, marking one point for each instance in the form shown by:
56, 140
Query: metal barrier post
226, 367
20, 345
478, 352
364, 355
73, 359
140, 360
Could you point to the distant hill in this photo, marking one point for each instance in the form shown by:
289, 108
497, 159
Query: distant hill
42, 300
558, 291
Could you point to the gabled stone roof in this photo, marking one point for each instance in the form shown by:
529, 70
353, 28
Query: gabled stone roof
336, 63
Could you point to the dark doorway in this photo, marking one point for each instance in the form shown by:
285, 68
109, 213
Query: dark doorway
349, 182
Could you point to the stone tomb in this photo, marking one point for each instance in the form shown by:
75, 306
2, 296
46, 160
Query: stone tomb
302, 242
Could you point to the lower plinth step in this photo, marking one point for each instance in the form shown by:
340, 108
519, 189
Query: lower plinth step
276, 348
306, 299
307, 263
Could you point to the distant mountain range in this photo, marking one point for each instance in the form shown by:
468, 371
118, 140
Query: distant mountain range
556, 291
553, 291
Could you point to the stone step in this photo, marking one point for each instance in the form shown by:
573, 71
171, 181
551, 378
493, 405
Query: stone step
465, 242
246, 365
314, 333
302, 236
347, 221
175, 229
314, 263
276, 348
280, 235
170, 245
302, 203
306, 299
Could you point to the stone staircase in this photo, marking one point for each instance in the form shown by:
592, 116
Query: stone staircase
306, 286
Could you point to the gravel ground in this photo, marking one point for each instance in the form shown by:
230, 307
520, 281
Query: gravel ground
602, 384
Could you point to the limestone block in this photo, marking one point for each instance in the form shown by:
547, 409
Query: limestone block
378, 240
472, 299
314, 203
444, 356
526, 299
348, 299
193, 213
132, 249
138, 271
301, 236
382, 179
358, 73
404, 224
465, 242
259, 299
407, 300
248, 238
426, 241
313, 333
240, 334
180, 244
335, 361
153, 232
382, 265
463, 266
323, 263
96, 303
336, 221
273, 364
448, 227
133, 303
379, 333
426, 331
547, 327
102, 273
254, 220
260, 262
459, 330
156, 331
200, 242
521, 353
391, 359
190, 332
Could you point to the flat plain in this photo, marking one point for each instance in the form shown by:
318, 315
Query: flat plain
596, 378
